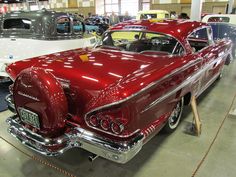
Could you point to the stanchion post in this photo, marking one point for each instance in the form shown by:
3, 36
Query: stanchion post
197, 121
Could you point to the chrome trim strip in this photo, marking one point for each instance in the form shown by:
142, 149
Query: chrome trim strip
117, 151
156, 82
145, 88
183, 84
207, 85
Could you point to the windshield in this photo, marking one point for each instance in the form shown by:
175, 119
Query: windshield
147, 16
142, 42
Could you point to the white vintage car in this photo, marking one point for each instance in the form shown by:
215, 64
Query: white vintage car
25, 35
226, 18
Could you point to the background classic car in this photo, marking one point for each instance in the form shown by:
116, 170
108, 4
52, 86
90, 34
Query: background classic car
97, 24
90, 98
29, 34
223, 30
226, 18
153, 14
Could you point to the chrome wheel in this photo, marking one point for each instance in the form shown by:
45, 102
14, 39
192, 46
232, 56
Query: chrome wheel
174, 119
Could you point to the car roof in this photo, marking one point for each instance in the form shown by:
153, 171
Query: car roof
180, 29
43, 24
39, 14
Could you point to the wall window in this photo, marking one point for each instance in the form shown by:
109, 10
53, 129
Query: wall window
130, 6
122, 6
100, 9
111, 6
145, 4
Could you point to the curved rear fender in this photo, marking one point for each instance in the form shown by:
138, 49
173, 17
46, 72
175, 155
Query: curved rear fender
14, 69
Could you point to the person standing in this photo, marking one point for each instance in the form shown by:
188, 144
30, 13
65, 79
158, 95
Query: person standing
173, 15
114, 19
126, 16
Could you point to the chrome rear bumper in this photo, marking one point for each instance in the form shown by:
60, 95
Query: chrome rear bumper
120, 152
10, 104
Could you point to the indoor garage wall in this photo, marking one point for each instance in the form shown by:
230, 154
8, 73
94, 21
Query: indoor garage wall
23, 6
79, 6
209, 6
86, 6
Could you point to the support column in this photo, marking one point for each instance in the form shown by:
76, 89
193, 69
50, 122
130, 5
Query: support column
196, 10
230, 6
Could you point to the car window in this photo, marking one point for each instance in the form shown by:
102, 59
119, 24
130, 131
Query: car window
78, 26
216, 31
218, 19
143, 42
17, 23
199, 39
148, 16
223, 30
63, 25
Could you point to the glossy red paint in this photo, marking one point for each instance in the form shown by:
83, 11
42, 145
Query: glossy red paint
133, 89
37, 90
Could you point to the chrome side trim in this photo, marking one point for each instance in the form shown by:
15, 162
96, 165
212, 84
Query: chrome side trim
207, 85
155, 83
145, 88
183, 84
117, 151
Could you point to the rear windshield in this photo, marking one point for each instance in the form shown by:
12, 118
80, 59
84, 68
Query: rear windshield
17, 23
142, 42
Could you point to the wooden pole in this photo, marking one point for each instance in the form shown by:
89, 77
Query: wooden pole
197, 121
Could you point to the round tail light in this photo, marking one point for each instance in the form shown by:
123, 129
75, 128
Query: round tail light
105, 124
94, 121
117, 128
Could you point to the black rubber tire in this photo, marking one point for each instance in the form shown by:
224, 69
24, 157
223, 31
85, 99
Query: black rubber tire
100, 32
174, 119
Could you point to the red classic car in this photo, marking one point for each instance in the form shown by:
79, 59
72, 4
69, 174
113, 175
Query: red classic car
112, 99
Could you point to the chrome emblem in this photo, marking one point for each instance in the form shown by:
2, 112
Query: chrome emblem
28, 96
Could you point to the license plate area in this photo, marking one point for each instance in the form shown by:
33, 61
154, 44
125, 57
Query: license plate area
29, 117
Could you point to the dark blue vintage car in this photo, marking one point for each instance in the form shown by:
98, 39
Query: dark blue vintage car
96, 24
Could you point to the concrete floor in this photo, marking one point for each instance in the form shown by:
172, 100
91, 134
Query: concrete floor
174, 155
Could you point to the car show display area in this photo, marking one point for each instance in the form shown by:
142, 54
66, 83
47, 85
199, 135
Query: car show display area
177, 154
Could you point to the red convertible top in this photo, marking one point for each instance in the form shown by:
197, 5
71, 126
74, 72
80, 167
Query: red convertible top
179, 29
